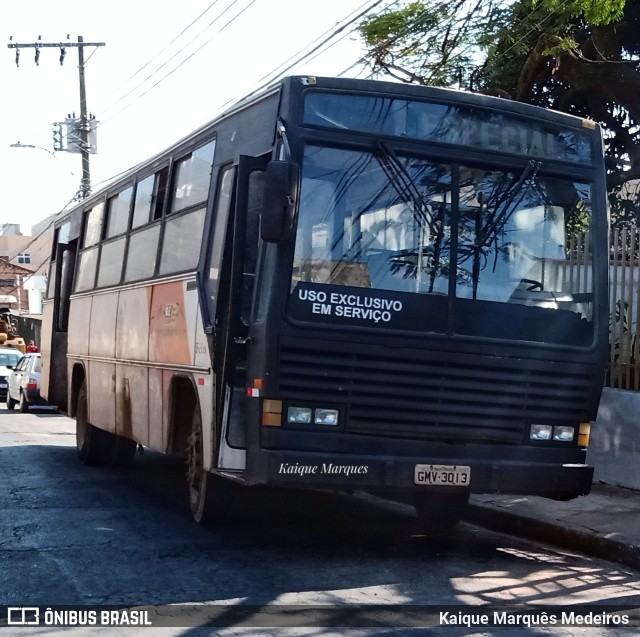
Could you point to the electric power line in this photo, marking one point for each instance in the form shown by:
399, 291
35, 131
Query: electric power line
301, 57
168, 46
150, 77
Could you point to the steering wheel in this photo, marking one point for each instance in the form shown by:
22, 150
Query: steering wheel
533, 285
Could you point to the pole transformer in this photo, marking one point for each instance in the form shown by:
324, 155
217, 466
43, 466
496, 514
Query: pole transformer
85, 182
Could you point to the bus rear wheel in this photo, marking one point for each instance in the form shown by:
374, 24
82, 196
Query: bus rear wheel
439, 512
210, 496
97, 446
92, 443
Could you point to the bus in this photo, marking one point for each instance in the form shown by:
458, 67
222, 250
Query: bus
348, 285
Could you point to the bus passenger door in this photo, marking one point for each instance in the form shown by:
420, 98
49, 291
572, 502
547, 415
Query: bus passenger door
54, 370
234, 312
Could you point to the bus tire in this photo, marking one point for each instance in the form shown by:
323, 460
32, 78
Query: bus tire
210, 497
438, 513
92, 443
122, 451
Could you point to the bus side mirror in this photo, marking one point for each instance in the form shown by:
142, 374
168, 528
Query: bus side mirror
279, 202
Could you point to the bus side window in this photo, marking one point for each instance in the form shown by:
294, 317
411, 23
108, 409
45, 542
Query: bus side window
51, 281
117, 216
182, 237
88, 260
111, 260
86, 278
252, 236
68, 260
192, 178
221, 215
93, 225
140, 260
149, 198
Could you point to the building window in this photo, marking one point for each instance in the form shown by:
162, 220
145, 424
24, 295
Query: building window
7, 283
24, 258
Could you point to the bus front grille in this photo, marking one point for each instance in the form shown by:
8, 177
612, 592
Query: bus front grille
429, 394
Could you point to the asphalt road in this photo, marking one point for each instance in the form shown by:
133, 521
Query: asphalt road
76, 535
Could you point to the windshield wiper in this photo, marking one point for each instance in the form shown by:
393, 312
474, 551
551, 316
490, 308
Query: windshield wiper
405, 186
402, 181
503, 215
495, 223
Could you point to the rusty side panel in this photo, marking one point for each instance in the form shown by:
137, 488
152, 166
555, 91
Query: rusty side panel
168, 335
158, 416
102, 404
132, 403
80, 319
102, 339
132, 328
132, 381
167, 376
102, 374
77, 339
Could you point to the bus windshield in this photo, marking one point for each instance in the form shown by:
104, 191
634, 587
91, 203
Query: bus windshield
385, 221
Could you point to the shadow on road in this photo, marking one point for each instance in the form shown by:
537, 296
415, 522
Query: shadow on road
71, 534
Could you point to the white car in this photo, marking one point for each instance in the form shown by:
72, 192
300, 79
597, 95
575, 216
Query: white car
9, 358
24, 383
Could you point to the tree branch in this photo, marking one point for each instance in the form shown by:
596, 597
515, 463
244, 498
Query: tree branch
534, 65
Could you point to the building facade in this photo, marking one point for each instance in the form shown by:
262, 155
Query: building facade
24, 263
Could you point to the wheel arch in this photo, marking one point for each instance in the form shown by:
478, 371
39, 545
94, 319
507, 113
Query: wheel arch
78, 377
183, 397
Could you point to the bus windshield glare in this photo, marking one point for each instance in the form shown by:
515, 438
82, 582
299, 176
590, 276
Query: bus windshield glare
393, 222
462, 125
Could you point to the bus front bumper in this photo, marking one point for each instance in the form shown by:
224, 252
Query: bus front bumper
399, 474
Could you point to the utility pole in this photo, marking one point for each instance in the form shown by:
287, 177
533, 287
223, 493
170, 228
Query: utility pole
85, 183
84, 128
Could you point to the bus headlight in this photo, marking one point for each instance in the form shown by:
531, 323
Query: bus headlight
559, 433
540, 432
301, 415
564, 434
326, 417
311, 415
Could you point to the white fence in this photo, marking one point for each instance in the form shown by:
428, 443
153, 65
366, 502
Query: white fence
624, 279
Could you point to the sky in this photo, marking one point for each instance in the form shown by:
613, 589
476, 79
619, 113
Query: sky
166, 69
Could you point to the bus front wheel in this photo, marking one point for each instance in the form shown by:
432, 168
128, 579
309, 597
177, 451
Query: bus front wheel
210, 496
121, 452
439, 512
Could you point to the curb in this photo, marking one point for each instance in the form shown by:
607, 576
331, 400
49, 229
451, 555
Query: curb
615, 549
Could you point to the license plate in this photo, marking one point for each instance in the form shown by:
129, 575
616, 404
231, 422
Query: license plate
445, 475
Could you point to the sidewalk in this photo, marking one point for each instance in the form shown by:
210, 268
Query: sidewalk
605, 524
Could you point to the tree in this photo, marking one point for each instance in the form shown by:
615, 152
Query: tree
577, 56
